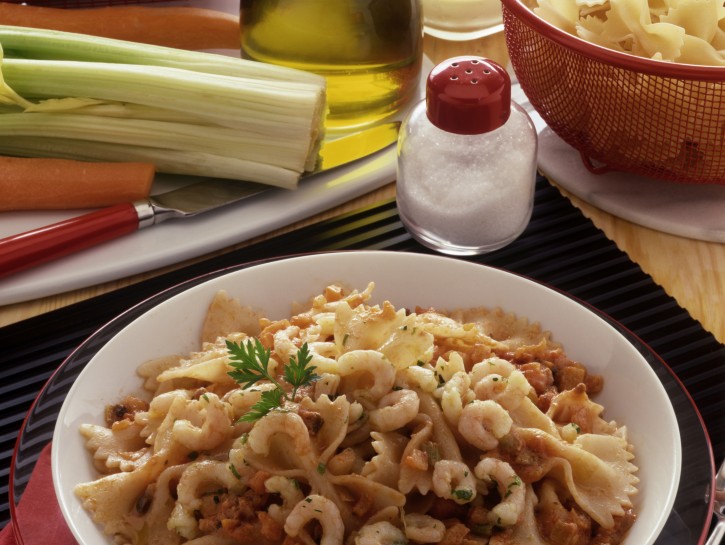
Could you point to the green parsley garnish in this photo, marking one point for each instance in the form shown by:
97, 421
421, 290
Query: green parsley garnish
250, 363
271, 399
297, 372
462, 494
234, 471
515, 482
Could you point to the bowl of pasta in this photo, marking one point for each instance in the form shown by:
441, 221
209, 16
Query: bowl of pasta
634, 86
367, 397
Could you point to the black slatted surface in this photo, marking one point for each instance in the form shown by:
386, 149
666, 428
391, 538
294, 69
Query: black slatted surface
560, 248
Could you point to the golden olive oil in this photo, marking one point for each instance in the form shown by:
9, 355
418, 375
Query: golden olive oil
369, 51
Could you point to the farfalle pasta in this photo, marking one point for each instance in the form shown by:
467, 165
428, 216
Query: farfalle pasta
684, 31
422, 426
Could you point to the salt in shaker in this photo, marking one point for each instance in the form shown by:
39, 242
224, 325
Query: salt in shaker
466, 160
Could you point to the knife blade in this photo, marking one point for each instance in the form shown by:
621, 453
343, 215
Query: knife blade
31, 248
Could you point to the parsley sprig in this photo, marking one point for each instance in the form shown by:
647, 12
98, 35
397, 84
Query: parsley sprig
250, 364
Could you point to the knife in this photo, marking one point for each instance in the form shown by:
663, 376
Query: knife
25, 250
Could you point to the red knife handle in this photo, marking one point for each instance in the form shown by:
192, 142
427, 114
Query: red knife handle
19, 252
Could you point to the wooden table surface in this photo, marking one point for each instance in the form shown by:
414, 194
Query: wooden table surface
691, 271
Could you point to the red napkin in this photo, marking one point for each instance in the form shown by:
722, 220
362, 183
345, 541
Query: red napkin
38, 513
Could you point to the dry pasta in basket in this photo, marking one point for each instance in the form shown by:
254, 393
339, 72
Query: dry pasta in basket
354, 423
684, 31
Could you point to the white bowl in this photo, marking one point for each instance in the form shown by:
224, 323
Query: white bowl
406, 280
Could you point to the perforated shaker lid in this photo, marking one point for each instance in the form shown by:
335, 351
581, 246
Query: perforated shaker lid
468, 95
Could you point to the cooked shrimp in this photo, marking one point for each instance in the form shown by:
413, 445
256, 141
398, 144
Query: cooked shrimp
380, 372
491, 366
423, 528
456, 393
483, 423
453, 481
289, 491
321, 509
510, 487
379, 533
509, 391
395, 410
191, 484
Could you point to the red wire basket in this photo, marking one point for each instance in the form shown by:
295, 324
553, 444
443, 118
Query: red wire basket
621, 112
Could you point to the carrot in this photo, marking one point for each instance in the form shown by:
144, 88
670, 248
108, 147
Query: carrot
53, 184
181, 27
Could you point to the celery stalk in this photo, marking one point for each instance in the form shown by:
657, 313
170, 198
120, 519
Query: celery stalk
224, 100
286, 153
134, 100
31, 43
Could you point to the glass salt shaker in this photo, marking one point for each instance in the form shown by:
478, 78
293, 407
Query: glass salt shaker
466, 160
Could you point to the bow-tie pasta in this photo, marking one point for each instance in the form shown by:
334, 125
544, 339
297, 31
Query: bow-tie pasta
684, 31
353, 423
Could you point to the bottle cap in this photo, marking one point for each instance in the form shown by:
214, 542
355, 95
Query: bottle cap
468, 95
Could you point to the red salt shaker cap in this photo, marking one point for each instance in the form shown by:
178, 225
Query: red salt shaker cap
468, 95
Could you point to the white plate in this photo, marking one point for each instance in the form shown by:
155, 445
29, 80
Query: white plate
686, 210
177, 240
406, 280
